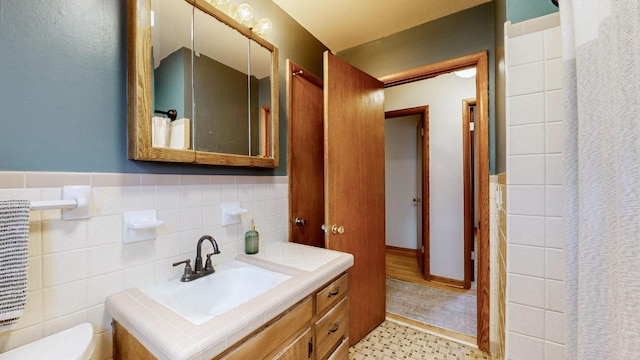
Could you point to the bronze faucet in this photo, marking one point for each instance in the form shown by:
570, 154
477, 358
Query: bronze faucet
198, 272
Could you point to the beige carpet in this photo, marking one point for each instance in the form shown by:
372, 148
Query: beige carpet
444, 309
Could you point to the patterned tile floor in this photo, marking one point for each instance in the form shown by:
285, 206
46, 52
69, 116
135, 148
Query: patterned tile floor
391, 340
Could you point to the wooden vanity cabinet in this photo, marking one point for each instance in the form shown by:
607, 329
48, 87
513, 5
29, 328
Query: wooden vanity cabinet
316, 328
342, 352
300, 348
274, 338
332, 318
318, 334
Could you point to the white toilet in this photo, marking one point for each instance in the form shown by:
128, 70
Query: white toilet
72, 344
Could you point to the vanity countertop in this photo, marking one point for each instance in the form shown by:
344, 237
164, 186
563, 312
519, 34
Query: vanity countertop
168, 336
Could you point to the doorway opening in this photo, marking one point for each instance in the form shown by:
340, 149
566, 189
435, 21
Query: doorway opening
481, 170
407, 189
300, 223
343, 115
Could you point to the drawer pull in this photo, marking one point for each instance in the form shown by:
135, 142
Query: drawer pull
334, 293
337, 326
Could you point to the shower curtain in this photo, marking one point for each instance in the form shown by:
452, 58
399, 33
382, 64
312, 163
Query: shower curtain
601, 49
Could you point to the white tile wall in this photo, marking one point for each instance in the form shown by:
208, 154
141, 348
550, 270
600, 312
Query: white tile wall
526, 230
535, 292
74, 265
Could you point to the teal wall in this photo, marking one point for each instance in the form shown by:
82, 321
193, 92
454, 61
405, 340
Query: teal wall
499, 18
453, 36
221, 123
521, 10
170, 87
63, 90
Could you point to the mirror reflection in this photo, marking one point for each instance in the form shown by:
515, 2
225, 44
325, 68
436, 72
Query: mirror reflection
221, 87
260, 109
211, 86
171, 56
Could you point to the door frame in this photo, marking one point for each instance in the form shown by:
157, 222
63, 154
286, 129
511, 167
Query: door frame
423, 111
480, 61
469, 177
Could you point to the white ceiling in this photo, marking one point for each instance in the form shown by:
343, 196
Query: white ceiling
172, 31
343, 24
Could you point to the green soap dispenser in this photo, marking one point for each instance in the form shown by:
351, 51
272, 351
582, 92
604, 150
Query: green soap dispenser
251, 240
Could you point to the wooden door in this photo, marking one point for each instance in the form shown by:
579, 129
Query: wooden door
306, 156
354, 186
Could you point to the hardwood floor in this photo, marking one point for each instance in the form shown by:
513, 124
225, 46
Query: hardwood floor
403, 266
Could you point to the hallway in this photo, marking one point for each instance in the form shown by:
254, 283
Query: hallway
455, 316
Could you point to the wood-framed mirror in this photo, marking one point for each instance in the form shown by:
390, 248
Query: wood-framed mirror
202, 87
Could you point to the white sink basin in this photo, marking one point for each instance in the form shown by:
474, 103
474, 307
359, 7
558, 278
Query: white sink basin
200, 300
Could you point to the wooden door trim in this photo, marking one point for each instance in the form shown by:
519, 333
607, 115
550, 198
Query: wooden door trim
468, 185
400, 251
432, 70
481, 62
297, 70
423, 111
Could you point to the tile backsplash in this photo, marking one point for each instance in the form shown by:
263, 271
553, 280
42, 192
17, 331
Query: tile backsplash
74, 265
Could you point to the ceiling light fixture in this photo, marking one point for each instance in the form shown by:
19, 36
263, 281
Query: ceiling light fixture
263, 27
466, 73
244, 14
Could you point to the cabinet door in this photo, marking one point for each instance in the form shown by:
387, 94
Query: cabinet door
299, 349
272, 338
354, 186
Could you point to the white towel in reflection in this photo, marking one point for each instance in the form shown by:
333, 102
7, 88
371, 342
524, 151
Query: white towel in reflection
14, 237
180, 134
160, 131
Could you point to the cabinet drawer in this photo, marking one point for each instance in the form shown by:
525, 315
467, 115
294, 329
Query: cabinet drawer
342, 352
272, 337
332, 293
332, 329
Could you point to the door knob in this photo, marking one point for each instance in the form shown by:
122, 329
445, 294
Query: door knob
300, 222
417, 200
335, 229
